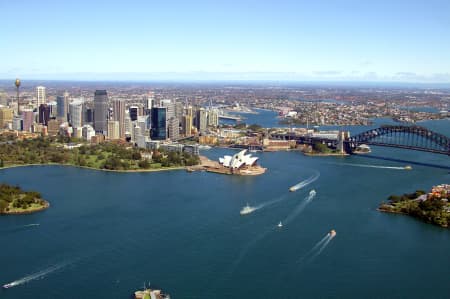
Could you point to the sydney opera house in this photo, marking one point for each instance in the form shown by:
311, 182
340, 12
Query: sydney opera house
239, 160
241, 163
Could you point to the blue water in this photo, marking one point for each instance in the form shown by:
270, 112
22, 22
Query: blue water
107, 233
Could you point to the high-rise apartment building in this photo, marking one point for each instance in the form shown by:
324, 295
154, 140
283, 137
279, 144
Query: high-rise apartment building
101, 111
40, 96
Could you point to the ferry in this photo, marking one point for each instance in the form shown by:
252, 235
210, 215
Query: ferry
293, 189
8, 285
247, 210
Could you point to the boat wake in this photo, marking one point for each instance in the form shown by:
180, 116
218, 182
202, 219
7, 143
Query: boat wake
305, 182
19, 228
37, 275
375, 166
268, 203
318, 248
300, 207
31, 225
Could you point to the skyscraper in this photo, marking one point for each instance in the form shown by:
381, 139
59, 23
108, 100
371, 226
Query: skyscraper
76, 114
202, 118
134, 112
188, 118
213, 117
40, 96
113, 129
119, 115
173, 125
159, 123
100, 111
62, 107
6, 116
28, 119
44, 114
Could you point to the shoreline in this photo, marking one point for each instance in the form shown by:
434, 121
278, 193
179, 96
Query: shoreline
98, 169
44, 207
326, 154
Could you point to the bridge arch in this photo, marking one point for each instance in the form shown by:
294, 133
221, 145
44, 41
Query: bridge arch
408, 137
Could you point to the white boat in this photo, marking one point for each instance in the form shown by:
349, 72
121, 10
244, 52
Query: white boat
8, 285
247, 210
280, 224
293, 188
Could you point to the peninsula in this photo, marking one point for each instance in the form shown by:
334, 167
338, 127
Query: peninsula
14, 200
432, 207
108, 156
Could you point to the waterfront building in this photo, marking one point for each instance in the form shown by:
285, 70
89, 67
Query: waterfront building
76, 114
6, 116
44, 114
192, 149
238, 160
28, 119
113, 129
62, 107
101, 111
158, 129
40, 96
119, 115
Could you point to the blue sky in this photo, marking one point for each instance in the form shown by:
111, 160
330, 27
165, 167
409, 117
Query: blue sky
383, 40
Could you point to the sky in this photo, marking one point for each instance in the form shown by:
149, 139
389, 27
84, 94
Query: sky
315, 40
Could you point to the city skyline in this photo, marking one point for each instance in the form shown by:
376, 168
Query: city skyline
403, 41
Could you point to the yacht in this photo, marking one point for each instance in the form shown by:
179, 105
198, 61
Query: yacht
280, 224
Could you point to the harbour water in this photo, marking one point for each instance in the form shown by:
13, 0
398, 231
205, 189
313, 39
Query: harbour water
106, 234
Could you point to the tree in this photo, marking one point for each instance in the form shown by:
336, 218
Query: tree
255, 128
144, 164
320, 147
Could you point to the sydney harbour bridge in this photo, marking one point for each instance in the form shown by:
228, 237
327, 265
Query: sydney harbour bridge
406, 137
